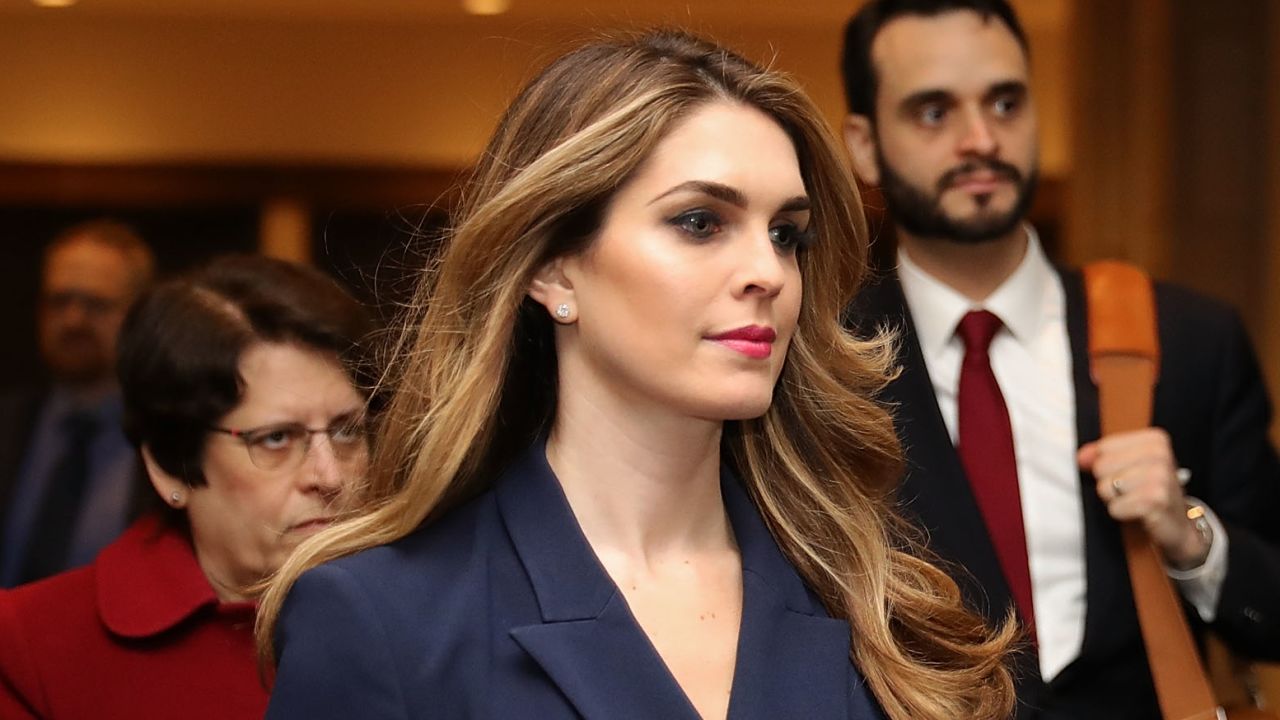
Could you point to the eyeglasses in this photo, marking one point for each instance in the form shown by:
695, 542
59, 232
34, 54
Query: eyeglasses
284, 446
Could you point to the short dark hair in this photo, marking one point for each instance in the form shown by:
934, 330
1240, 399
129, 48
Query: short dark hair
181, 343
860, 82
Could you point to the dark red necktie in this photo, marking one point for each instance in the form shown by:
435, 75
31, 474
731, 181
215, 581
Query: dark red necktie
986, 451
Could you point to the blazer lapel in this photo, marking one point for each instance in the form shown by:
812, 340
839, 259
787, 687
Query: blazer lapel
19, 414
793, 660
605, 666
588, 643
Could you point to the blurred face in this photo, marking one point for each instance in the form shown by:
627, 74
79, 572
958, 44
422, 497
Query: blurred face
689, 295
266, 490
85, 292
955, 130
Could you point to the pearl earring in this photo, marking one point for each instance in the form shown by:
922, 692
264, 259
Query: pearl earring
562, 311
175, 498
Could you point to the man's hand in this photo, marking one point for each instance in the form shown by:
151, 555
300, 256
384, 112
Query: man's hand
1137, 478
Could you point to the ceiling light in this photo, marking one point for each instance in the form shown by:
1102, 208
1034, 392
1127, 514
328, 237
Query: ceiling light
54, 3
483, 7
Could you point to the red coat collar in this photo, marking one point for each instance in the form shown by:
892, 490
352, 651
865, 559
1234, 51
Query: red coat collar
148, 581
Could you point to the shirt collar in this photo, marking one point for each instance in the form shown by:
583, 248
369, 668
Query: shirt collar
149, 581
936, 308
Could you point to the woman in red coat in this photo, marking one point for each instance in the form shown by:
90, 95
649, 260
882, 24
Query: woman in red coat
240, 389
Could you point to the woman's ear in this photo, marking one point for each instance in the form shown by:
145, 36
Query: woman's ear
173, 491
552, 289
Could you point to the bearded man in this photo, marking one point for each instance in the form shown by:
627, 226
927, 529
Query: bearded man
1007, 474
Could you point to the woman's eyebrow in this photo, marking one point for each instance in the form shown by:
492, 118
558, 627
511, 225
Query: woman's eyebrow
731, 195
796, 204
719, 191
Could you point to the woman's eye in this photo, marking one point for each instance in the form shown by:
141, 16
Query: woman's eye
277, 439
789, 237
700, 224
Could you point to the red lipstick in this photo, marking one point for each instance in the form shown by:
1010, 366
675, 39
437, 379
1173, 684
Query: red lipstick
754, 341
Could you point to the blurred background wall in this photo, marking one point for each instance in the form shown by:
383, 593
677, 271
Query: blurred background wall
385, 82
331, 130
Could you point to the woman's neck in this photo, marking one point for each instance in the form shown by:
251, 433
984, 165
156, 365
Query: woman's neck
642, 485
224, 587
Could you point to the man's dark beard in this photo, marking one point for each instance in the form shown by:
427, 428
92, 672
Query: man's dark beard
921, 214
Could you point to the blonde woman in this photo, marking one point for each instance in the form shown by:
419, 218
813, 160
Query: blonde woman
630, 467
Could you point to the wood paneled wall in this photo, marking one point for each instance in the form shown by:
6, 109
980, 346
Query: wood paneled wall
1173, 158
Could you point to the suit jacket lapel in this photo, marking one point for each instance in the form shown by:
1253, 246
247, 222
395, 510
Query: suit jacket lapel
19, 414
1108, 599
591, 647
934, 490
588, 643
605, 666
793, 660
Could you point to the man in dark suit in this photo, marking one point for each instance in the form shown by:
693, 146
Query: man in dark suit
997, 412
68, 477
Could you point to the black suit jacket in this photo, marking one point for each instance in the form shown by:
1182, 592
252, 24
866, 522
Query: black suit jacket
1210, 399
18, 412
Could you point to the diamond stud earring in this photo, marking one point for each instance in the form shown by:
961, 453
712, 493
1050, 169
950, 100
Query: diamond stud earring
175, 498
562, 311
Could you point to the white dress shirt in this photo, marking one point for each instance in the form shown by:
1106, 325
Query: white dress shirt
1031, 359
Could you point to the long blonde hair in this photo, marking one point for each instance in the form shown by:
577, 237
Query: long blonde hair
474, 372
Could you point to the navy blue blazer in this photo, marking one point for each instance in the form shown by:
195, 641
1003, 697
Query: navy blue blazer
501, 610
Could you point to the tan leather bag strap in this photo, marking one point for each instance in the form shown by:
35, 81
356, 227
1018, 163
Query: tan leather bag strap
1124, 359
